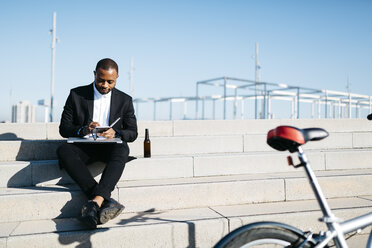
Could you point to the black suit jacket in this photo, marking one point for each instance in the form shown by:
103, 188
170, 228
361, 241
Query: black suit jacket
78, 112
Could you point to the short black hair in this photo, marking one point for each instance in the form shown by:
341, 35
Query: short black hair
107, 64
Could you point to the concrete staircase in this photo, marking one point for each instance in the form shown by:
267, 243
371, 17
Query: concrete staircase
205, 179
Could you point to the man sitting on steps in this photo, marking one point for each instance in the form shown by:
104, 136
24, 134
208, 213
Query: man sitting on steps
87, 107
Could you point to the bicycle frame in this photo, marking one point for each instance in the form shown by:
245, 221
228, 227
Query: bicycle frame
288, 138
337, 229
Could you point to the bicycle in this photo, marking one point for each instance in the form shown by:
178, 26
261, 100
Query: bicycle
275, 234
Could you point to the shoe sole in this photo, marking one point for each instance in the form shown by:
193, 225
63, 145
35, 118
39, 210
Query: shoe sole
109, 214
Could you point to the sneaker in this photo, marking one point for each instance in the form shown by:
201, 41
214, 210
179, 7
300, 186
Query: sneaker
89, 214
109, 210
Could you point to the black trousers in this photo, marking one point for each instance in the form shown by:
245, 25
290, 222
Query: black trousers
75, 157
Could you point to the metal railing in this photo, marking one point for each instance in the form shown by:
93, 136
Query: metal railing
259, 97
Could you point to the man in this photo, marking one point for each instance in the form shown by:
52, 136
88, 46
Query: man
98, 104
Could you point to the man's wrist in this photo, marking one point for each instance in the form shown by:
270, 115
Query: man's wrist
117, 134
82, 131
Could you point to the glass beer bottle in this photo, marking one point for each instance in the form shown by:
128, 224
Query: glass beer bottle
147, 145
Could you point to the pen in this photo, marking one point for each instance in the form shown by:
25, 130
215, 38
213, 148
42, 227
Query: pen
115, 122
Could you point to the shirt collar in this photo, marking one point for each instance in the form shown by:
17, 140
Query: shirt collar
98, 95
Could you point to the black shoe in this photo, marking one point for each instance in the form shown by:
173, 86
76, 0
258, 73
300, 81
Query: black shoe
89, 214
109, 210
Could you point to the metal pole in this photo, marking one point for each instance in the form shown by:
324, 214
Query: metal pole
319, 108
294, 108
53, 31
170, 110
326, 105
154, 110
203, 105
224, 100
332, 106
197, 100
46, 114
264, 112
242, 109
349, 106
235, 102
257, 66
298, 103
214, 109
348, 87
184, 109
312, 109
257, 79
255, 102
269, 107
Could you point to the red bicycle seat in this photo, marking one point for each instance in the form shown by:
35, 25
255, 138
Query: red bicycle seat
289, 138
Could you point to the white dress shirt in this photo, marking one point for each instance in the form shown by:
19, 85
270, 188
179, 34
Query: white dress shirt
101, 109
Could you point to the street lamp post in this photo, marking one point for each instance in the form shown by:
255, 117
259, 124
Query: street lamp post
54, 39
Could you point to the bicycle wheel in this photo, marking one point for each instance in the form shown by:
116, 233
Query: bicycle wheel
263, 236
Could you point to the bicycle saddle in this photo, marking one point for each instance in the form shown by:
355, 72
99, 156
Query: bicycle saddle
289, 138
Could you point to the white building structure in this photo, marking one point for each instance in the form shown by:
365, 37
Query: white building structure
24, 112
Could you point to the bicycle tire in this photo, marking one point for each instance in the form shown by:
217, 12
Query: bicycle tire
263, 236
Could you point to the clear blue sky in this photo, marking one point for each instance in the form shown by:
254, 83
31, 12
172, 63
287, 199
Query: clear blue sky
313, 44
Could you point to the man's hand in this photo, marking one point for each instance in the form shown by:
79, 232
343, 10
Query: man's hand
88, 129
109, 134
92, 125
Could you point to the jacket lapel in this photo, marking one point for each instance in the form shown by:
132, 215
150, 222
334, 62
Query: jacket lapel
113, 106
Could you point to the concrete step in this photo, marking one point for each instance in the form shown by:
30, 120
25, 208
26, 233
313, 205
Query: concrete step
227, 127
38, 141
46, 149
50, 131
57, 201
196, 227
301, 214
23, 150
48, 172
41, 131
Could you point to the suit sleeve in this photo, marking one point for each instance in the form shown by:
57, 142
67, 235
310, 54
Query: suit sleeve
129, 132
67, 128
